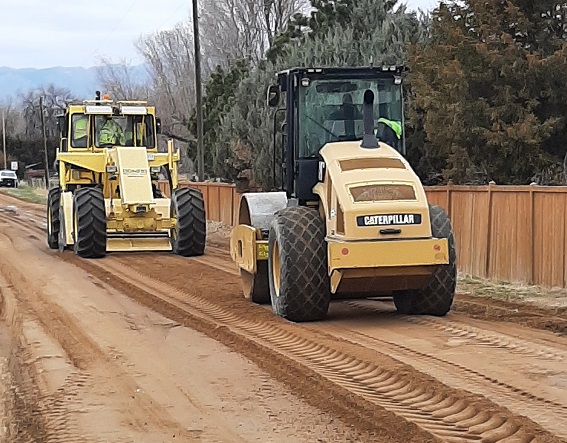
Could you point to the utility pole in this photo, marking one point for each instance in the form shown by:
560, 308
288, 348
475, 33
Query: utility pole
44, 143
199, 94
4, 139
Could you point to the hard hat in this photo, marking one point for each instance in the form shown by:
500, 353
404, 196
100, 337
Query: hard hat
106, 97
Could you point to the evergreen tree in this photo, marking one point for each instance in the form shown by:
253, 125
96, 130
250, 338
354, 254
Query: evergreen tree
219, 97
338, 33
480, 90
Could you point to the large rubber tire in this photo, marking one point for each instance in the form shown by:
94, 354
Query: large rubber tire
89, 223
189, 237
53, 222
256, 286
437, 297
297, 265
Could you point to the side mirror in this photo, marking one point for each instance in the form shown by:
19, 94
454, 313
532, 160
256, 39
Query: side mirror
158, 125
61, 125
273, 96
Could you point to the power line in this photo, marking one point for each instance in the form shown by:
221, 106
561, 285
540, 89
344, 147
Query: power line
172, 14
114, 28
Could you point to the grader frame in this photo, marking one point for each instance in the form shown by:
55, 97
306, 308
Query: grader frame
107, 198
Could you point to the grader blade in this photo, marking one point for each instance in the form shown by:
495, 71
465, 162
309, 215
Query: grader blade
138, 242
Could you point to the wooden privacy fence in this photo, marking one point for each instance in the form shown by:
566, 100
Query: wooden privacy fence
507, 233
221, 199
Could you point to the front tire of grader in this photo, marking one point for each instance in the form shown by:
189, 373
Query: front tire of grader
256, 286
53, 221
437, 297
189, 236
297, 265
89, 223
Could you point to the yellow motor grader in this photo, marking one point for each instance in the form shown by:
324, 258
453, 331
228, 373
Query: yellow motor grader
108, 198
352, 220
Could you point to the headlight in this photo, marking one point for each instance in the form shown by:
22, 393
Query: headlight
111, 169
155, 169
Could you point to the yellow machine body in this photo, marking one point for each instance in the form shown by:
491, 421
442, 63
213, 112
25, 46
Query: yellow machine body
136, 219
361, 196
371, 250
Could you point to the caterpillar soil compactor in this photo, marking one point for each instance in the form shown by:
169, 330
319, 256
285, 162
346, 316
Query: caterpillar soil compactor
352, 220
108, 198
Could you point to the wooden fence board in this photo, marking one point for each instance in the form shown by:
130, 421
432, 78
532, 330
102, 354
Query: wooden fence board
510, 249
549, 239
469, 212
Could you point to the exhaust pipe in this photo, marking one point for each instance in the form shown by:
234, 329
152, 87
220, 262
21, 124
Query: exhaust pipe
369, 140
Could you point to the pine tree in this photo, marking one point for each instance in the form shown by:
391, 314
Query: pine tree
480, 89
219, 97
338, 33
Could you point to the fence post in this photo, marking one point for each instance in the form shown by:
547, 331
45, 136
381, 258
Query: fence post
219, 203
489, 231
449, 202
532, 239
563, 244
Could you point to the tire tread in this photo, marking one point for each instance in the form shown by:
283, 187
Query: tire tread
89, 207
53, 204
436, 298
191, 222
304, 282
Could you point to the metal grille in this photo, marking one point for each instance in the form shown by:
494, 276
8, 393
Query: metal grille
371, 163
372, 193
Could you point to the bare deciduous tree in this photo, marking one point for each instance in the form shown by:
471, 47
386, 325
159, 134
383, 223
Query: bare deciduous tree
231, 30
170, 61
246, 29
122, 80
55, 100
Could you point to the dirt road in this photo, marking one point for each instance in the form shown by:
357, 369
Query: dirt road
154, 347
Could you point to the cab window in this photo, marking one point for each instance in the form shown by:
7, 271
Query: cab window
79, 130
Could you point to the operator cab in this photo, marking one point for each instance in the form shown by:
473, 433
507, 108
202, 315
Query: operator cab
325, 105
102, 123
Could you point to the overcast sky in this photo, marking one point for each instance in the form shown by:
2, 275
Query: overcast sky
44, 33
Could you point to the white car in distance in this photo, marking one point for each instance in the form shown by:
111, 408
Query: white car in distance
8, 179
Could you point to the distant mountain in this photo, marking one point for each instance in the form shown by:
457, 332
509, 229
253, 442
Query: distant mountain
81, 81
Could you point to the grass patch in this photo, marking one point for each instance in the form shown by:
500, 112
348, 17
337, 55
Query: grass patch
27, 193
506, 291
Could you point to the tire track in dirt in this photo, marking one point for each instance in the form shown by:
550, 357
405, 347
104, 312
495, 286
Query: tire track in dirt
447, 413
554, 320
549, 414
44, 417
499, 341
52, 417
316, 390
25, 423
384, 388
481, 337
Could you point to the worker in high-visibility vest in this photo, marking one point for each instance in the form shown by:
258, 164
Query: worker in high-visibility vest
111, 133
390, 132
